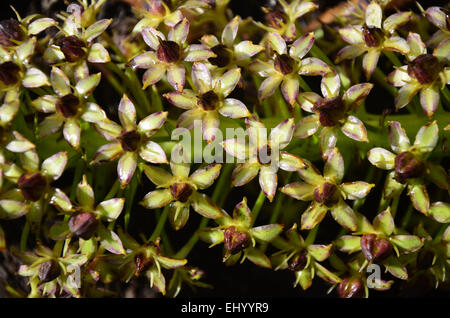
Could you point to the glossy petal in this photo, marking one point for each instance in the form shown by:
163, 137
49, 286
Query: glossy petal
210, 125
96, 29
201, 77
34, 78
144, 60
334, 166
39, 25
327, 140
312, 66
151, 37
277, 43
299, 190
419, 197
228, 81
110, 241
152, 123
330, 84
440, 211
396, 44
313, 215
98, 54
384, 222
268, 181
110, 209
153, 75
157, 175
235, 147
205, 206
442, 50
356, 94
230, 31
176, 76
179, 32
60, 82
127, 113
352, 34
416, 45
246, 49
72, 132
307, 100
152, 152
374, 14
427, 137
429, 99
281, 135
290, 162
344, 215
186, 99
409, 243
243, 173
381, 158
349, 52
436, 16
234, 108
87, 85
392, 188
302, 45
266, 233
391, 23
126, 167
370, 61
198, 52
399, 77
307, 126
356, 190
205, 177
397, 137
355, 129
268, 86
50, 125
157, 199
108, 152
85, 194
54, 166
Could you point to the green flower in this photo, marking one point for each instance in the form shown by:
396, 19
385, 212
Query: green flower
410, 165
332, 112
240, 237
146, 259
424, 73
439, 17
374, 37
208, 100
303, 259
186, 275
262, 155
284, 66
327, 193
168, 55
68, 107
179, 190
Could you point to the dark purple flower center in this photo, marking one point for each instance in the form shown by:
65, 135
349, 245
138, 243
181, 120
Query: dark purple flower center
68, 105
284, 64
130, 140
276, 19
326, 194
375, 249
407, 166
142, 263
181, 191
299, 261
10, 30
209, 100
351, 287
9, 73
83, 225
236, 241
223, 56
32, 185
48, 271
372, 36
331, 110
168, 51
72, 47
425, 68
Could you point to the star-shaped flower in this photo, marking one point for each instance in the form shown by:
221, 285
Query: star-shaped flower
327, 192
332, 112
168, 55
68, 107
208, 100
180, 190
409, 164
262, 155
424, 72
130, 140
374, 37
285, 65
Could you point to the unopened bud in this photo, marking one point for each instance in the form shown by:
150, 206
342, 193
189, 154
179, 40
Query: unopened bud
350, 287
181, 191
32, 186
236, 241
10, 30
407, 166
83, 225
425, 68
48, 271
375, 249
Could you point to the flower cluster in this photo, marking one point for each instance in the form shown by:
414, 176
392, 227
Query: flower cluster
86, 112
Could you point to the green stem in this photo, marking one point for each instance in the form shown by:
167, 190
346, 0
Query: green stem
318, 53
393, 58
303, 85
112, 192
312, 235
160, 226
407, 217
394, 206
186, 249
380, 78
258, 205
24, 236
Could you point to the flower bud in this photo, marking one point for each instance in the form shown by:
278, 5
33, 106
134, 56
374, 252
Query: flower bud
32, 186
142, 263
372, 36
331, 110
425, 68
83, 225
181, 191
130, 140
236, 241
299, 261
10, 30
168, 51
284, 64
326, 194
375, 249
209, 100
68, 105
350, 287
407, 165
223, 56
72, 47
276, 19
48, 271
9, 73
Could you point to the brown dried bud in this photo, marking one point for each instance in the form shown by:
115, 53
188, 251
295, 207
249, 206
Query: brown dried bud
72, 47
407, 165
68, 105
48, 271
425, 68
375, 249
10, 30
168, 51
276, 19
299, 261
130, 140
236, 241
326, 194
284, 64
331, 110
32, 185
83, 225
264, 154
181, 191
350, 287
372, 36
142, 263
209, 100
9, 73
223, 56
